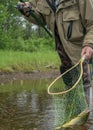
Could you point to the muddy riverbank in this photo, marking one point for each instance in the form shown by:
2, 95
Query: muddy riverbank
6, 77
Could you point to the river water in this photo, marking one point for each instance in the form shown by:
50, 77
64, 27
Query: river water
25, 105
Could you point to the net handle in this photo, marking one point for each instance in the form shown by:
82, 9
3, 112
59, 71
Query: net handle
64, 92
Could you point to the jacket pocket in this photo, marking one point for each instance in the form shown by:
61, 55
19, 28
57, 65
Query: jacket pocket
73, 29
43, 8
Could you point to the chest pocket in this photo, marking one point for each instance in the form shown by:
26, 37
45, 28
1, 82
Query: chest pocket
73, 29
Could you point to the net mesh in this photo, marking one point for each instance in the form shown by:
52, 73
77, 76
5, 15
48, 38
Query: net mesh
70, 104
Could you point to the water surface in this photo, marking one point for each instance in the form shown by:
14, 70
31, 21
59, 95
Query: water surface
25, 105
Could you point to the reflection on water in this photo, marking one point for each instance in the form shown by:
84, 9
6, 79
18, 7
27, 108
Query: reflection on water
27, 106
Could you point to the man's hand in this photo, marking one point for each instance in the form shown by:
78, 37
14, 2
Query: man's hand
24, 8
87, 52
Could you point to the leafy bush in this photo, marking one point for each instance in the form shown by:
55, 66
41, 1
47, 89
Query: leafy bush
30, 45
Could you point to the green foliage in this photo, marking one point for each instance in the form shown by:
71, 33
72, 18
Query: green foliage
30, 45
16, 33
39, 44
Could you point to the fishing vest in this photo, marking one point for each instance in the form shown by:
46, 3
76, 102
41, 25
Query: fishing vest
65, 4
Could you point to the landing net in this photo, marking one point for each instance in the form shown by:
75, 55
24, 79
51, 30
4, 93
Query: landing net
68, 95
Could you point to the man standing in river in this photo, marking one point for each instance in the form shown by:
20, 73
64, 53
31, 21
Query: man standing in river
71, 23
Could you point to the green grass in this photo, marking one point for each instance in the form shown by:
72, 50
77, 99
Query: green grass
11, 61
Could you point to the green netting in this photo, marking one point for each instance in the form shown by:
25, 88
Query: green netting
69, 105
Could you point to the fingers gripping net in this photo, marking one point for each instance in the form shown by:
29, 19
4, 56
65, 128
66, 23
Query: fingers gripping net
68, 95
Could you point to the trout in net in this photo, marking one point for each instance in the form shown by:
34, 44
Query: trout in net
79, 120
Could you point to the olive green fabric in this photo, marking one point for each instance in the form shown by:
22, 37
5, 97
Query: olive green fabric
80, 12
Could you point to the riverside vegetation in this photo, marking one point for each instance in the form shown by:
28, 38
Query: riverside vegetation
23, 46
12, 61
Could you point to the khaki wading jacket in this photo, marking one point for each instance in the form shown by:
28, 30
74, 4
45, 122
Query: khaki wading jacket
80, 12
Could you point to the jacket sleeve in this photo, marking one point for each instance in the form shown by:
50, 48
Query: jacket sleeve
86, 10
38, 15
